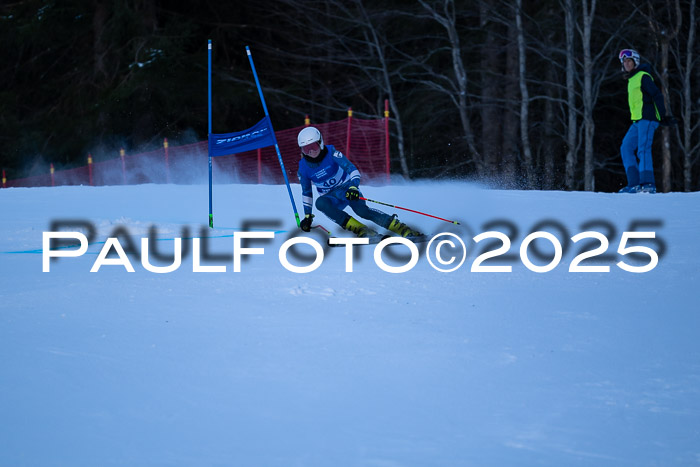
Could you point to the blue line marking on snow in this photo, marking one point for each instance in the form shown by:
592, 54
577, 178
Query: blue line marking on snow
41, 250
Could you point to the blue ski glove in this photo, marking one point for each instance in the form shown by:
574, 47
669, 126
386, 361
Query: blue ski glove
305, 223
352, 194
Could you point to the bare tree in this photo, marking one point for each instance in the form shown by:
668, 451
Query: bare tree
378, 43
490, 88
595, 70
445, 15
574, 76
550, 140
524, 95
665, 32
571, 128
344, 36
689, 126
588, 100
510, 120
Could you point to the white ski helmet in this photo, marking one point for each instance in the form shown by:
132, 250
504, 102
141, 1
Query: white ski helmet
629, 53
310, 135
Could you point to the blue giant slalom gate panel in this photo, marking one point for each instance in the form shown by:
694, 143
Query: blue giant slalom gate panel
259, 135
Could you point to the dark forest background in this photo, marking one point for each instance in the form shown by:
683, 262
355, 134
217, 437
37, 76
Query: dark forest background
526, 94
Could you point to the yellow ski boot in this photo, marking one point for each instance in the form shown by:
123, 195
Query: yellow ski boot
402, 229
358, 228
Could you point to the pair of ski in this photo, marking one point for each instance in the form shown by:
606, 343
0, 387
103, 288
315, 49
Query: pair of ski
378, 238
374, 239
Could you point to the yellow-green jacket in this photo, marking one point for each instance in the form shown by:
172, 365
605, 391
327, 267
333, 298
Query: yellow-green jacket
645, 99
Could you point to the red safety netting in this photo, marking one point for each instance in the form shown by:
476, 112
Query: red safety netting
189, 163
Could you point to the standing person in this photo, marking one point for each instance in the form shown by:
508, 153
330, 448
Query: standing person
337, 181
646, 108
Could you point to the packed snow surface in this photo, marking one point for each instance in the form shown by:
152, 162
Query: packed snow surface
266, 366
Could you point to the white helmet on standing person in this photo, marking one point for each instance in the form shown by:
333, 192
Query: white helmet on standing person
309, 136
631, 54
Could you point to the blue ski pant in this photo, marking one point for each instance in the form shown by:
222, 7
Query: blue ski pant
333, 203
639, 137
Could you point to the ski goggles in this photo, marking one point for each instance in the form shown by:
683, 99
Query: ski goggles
626, 53
309, 148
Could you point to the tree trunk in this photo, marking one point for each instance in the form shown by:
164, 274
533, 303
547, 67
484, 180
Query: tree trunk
461, 76
665, 33
589, 124
550, 139
490, 91
687, 104
509, 117
400, 140
665, 133
524, 95
571, 130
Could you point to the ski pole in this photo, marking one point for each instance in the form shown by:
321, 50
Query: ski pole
319, 226
410, 210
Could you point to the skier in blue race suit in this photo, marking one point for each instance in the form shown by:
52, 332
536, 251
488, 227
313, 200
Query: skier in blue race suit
647, 110
337, 181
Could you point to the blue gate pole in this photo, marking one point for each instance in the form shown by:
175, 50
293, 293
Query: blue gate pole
211, 213
277, 148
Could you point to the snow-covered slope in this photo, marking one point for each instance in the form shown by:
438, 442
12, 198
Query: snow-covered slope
269, 367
